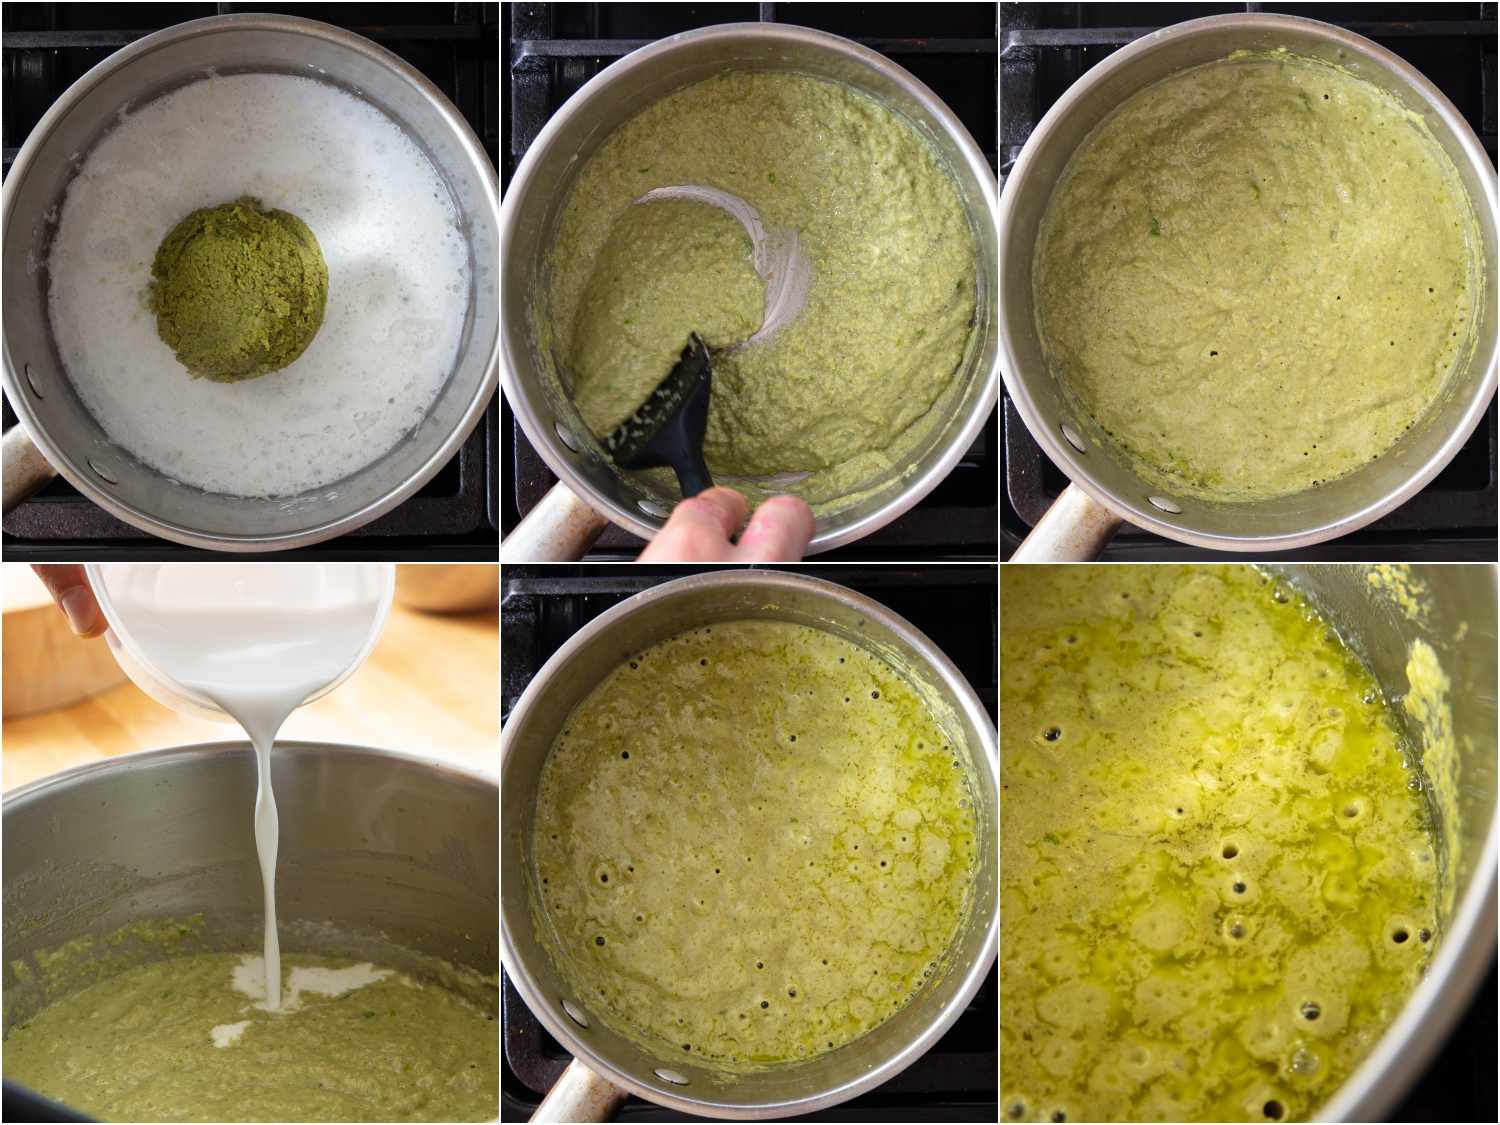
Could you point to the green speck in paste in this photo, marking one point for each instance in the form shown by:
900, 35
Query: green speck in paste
1155, 227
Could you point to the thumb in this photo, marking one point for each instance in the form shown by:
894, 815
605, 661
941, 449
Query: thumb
69, 587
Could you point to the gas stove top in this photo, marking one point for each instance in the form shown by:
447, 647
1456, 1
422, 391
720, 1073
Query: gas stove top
553, 49
455, 515
1045, 48
957, 607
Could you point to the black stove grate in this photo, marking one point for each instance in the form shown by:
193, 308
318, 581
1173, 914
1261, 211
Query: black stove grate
553, 49
542, 607
48, 46
1045, 48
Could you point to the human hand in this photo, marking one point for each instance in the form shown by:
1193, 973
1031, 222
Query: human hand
700, 528
70, 589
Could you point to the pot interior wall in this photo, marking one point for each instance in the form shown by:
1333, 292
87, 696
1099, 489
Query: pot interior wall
1457, 617
381, 857
1453, 609
1101, 462
585, 128
526, 749
33, 204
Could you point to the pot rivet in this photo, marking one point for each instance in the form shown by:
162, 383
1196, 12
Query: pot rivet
671, 1076
31, 381
574, 1014
1166, 504
565, 436
1069, 433
102, 472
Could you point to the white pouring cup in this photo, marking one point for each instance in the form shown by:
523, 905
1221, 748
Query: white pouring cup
137, 598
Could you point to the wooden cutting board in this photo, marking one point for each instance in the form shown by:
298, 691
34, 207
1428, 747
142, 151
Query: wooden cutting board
448, 587
45, 665
430, 687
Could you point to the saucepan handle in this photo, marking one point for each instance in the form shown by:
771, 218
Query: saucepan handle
1075, 529
580, 1095
25, 469
559, 528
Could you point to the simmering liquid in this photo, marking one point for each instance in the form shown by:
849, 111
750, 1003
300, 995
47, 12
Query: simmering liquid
753, 844
1218, 873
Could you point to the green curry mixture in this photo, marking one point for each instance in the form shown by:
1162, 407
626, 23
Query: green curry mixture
1218, 872
753, 843
842, 393
238, 290
1256, 275
182, 1039
669, 268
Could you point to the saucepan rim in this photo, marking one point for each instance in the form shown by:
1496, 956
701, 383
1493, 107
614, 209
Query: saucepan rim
986, 763
20, 798
147, 759
10, 377
959, 434
1072, 464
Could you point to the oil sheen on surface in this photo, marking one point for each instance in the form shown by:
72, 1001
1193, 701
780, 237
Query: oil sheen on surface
753, 844
189, 1039
1218, 874
841, 393
1256, 275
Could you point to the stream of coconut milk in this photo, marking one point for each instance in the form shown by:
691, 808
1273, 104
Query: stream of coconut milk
257, 665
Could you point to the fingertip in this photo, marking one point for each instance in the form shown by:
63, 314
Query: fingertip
69, 586
778, 532
722, 509
82, 611
731, 507
699, 528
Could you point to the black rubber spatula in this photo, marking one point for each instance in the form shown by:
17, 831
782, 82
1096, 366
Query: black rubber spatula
668, 427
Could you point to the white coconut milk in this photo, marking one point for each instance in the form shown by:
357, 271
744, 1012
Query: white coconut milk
397, 291
204, 627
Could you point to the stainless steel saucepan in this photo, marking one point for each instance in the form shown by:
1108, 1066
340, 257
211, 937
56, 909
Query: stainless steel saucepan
607, 1066
383, 855
592, 490
1105, 489
57, 434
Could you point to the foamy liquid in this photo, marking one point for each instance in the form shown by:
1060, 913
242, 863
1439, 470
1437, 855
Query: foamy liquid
397, 290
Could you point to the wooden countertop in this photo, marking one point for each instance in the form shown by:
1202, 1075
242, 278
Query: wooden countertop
432, 686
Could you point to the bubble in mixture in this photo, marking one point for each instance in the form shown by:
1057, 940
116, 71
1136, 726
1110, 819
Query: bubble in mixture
1213, 903
802, 864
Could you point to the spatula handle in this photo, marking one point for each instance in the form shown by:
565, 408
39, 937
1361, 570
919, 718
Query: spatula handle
693, 475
